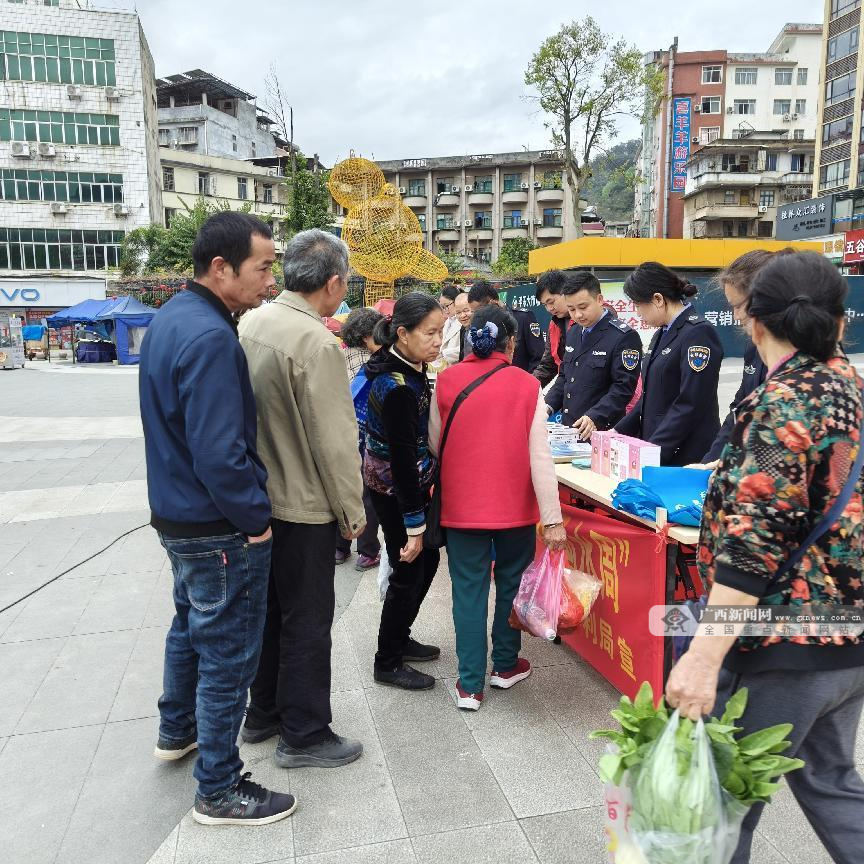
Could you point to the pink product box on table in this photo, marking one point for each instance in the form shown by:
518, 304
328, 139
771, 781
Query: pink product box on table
600, 452
628, 456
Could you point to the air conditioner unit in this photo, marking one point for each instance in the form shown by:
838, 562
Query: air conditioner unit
467, 223
47, 151
20, 150
538, 221
538, 184
120, 210
787, 118
469, 187
73, 91
730, 110
524, 223
697, 109
525, 187
112, 93
272, 173
694, 140
59, 207
401, 190
454, 190
763, 209
794, 116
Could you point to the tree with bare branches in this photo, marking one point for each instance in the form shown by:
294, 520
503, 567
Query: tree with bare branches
585, 83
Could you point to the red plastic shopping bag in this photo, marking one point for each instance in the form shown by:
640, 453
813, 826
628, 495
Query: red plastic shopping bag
538, 601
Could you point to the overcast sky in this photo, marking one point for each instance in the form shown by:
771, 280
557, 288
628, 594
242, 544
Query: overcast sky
400, 80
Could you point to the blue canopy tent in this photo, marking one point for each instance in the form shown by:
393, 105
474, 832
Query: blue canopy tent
84, 312
130, 318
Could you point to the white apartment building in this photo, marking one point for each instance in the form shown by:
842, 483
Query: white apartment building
79, 162
778, 90
469, 205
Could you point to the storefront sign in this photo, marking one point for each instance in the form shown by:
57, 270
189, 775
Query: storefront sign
57, 293
630, 563
680, 143
811, 218
853, 247
833, 247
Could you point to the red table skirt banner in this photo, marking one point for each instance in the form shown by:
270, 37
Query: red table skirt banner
630, 562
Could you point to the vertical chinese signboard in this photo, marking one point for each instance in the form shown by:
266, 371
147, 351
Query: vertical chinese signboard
631, 566
680, 143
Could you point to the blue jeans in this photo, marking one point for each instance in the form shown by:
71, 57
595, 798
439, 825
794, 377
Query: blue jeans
212, 649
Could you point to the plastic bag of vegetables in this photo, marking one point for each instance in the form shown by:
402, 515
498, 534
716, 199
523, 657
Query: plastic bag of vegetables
678, 813
578, 592
537, 603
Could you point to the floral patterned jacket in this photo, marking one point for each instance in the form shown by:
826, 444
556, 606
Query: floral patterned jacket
789, 456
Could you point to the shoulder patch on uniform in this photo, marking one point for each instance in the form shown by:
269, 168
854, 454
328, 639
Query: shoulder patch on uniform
693, 319
630, 358
535, 329
623, 326
749, 370
698, 357
569, 348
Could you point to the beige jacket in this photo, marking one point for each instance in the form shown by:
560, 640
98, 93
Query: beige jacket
307, 431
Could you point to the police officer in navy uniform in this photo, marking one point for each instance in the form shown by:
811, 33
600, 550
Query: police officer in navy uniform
529, 338
600, 369
678, 409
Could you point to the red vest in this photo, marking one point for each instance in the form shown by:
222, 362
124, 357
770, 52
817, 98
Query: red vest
555, 337
486, 469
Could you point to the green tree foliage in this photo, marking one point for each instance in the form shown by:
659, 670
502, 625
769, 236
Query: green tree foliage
308, 198
451, 260
612, 182
513, 260
584, 81
158, 250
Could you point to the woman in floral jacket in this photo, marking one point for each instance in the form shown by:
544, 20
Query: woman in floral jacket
788, 459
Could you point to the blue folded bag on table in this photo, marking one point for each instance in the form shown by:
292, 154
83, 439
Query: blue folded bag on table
681, 491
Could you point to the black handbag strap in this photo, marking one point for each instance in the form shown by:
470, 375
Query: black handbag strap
460, 399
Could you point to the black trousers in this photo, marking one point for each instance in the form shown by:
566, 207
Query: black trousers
292, 686
409, 584
368, 543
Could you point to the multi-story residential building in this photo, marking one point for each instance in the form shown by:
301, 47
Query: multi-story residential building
237, 183
735, 185
78, 152
469, 205
718, 95
199, 113
839, 164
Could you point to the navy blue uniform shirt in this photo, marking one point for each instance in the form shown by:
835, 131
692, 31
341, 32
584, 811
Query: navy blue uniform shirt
530, 343
678, 409
599, 373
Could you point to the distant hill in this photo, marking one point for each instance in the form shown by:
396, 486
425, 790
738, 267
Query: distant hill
611, 186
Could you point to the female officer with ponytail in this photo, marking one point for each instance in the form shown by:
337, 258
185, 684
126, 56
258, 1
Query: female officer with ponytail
678, 410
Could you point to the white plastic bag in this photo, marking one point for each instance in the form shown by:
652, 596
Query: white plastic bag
384, 571
537, 603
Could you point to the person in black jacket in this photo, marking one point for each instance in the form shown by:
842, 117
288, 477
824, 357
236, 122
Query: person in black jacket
529, 339
678, 409
208, 498
736, 280
601, 361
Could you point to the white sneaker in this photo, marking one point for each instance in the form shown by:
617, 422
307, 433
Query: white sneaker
467, 701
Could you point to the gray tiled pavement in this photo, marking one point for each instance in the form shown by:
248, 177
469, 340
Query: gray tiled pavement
80, 671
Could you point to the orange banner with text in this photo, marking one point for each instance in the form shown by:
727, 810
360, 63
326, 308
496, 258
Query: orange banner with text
630, 562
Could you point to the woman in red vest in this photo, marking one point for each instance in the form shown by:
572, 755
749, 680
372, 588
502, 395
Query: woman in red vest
497, 480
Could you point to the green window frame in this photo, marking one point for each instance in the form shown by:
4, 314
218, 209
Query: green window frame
512, 182
54, 59
57, 127
59, 249
17, 184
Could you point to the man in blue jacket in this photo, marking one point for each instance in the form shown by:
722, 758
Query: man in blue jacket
208, 502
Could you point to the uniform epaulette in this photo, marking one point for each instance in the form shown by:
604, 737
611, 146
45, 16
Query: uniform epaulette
623, 326
694, 318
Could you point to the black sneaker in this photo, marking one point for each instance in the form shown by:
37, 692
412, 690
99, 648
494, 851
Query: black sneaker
330, 753
255, 735
420, 653
406, 678
169, 750
245, 803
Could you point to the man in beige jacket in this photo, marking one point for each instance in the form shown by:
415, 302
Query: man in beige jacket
307, 439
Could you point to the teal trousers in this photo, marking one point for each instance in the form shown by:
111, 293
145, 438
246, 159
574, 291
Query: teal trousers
469, 554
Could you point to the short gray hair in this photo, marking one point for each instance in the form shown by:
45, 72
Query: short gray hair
311, 258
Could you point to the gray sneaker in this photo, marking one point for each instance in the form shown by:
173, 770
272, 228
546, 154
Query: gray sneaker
245, 803
330, 753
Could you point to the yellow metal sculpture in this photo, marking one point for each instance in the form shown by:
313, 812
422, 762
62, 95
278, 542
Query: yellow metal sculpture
383, 235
